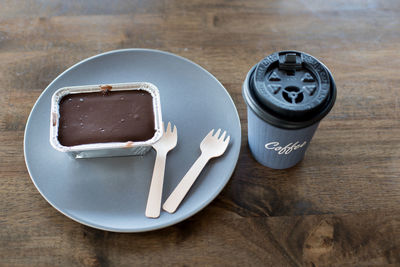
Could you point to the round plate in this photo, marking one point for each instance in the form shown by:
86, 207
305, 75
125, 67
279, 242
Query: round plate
111, 193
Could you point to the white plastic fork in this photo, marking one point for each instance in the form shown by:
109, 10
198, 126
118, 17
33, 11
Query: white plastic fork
212, 146
163, 146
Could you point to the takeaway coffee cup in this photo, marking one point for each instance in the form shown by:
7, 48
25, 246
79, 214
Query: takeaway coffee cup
287, 94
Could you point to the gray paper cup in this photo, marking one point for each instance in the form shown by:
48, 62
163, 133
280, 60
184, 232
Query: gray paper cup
287, 94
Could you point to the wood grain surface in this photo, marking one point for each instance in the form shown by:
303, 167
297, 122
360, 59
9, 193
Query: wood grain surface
338, 207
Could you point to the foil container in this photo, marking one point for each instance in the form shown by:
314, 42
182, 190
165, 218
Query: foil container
110, 149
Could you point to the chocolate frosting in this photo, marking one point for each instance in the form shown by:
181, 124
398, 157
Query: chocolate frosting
109, 116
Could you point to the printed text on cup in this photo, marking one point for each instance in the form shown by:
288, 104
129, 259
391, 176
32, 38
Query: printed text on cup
284, 149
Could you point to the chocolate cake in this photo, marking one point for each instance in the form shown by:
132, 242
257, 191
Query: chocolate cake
107, 116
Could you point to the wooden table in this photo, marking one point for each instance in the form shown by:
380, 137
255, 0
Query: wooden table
339, 206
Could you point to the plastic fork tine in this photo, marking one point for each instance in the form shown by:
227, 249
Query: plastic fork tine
227, 140
169, 127
217, 133
174, 129
209, 134
222, 136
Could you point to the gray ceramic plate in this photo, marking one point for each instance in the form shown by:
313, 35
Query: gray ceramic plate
111, 193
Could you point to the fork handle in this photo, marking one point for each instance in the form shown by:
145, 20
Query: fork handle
154, 199
180, 191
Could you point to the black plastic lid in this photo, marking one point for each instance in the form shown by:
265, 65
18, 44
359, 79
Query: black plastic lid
290, 89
